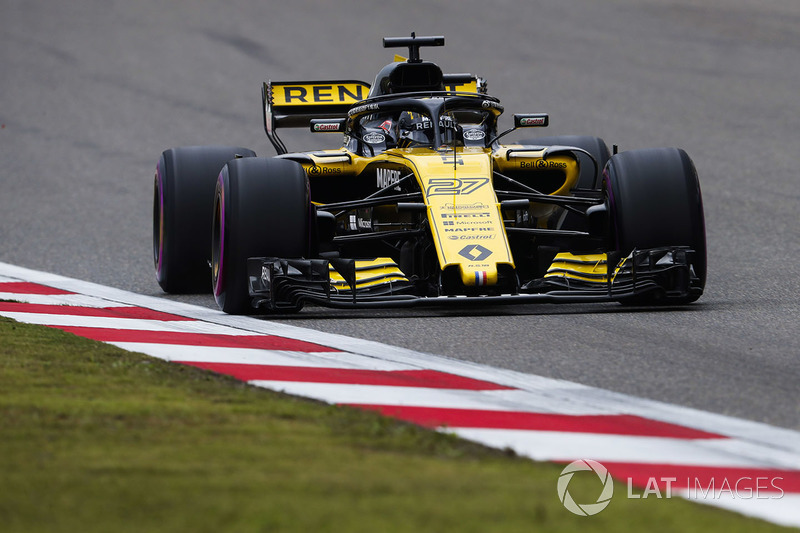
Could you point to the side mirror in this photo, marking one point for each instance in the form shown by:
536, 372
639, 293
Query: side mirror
529, 120
537, 120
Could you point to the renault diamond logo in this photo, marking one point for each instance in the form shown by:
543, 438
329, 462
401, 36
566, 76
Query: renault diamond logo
475, 252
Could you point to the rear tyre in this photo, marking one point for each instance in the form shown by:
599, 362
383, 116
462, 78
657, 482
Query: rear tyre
261, 208
654, 200
183, 197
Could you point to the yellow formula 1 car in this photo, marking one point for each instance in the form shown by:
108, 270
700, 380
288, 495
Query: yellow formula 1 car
423, 204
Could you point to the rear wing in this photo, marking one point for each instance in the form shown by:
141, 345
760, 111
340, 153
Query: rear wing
290, 104
293, 104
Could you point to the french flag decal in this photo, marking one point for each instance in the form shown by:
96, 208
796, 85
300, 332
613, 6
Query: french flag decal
480, 277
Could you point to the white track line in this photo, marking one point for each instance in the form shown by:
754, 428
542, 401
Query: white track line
187, 326
339, 393
253, 356
59, 299
552, 446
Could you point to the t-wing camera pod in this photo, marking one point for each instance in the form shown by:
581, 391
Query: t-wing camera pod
413, 43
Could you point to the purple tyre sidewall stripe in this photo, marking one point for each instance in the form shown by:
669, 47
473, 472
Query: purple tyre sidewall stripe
160, 256
221, 246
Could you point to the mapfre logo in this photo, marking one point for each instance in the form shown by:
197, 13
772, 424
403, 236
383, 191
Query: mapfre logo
585, 509
386, 177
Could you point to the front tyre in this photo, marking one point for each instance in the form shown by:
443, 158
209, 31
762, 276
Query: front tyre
654, 201
261, 209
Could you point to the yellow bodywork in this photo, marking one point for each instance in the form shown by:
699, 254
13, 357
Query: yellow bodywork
458, 189
369, 273
463, 212
517, 158
592, 268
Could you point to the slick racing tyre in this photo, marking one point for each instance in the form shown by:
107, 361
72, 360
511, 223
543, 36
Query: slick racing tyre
654, 200
183, 197
261, 209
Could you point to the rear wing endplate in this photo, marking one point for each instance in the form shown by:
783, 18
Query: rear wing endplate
293, 104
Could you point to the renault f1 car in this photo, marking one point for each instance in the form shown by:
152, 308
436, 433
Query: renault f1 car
423, 204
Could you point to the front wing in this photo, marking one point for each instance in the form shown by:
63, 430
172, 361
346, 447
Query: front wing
286, 284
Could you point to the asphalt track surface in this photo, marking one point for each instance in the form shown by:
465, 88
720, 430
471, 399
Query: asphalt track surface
92, 92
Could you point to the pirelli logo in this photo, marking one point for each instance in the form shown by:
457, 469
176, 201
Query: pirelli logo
318, 93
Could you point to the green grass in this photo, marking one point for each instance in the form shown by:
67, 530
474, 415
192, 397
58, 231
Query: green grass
93, 438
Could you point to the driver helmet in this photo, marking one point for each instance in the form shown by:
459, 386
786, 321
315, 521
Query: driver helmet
414, 128
379, 132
